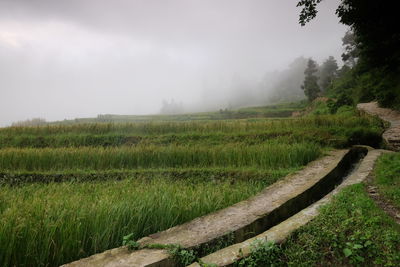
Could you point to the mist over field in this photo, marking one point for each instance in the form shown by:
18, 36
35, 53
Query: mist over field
80, 58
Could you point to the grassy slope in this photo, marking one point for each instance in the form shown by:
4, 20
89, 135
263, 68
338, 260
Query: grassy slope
350, 231
387, 177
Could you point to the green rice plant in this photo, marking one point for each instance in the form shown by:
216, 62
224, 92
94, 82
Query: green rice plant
68, 191
328, 130
52, 224
265, 156
190, 175
199, 127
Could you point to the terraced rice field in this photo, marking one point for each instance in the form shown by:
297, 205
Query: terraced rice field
69, 191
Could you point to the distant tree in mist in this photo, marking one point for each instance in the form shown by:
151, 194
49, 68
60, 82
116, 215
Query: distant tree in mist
285, 85
327, 73
351, 53
241, 92
171, 107
310, 84
32, 122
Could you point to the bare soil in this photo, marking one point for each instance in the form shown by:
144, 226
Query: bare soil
383, 203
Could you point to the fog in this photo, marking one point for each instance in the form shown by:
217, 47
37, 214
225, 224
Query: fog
80, 58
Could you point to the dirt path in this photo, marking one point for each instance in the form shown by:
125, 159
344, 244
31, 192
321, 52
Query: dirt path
385, 205
392, 134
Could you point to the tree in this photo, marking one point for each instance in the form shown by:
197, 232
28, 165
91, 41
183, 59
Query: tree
32, 122
309, 10
328, 72
376, 43
374, 24
171, 107
351, 52
310, 85
283, 86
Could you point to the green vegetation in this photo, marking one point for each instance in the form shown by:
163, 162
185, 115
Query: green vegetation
387, 177
56, 223
263, 253
270, 111
327, 130
69, 191
351, 230
73, 188
310, 85
268, 155
182, 257
197, 174
372, 46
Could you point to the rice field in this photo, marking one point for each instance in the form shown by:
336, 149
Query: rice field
269, 155
69, 191
45, 225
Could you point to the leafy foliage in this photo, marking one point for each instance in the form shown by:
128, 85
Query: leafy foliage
263, 253
352, 52
375, 40
350, 230
310, 85
129, 241
342, 100
327, 73
309, 10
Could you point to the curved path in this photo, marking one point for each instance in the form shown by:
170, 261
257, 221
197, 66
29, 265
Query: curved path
392, 134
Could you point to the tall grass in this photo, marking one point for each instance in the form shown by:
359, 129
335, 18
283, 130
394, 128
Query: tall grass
225, 126
192, 175
326, 136
52, 224
269, 155
328, 130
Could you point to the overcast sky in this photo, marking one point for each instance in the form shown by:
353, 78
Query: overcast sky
79, 58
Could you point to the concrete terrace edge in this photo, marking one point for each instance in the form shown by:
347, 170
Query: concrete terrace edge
278, 234
254, 215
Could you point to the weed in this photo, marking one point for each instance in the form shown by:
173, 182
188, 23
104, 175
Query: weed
387, 177
182, 257
350, 230
263, 253
130, 242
